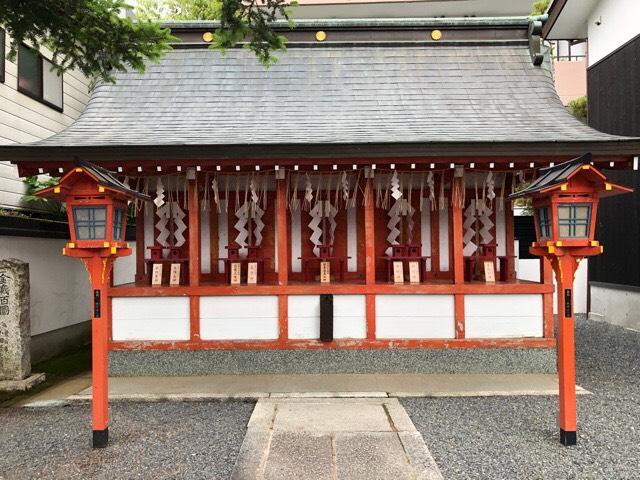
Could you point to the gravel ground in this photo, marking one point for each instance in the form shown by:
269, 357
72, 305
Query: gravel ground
517, 437
148, 440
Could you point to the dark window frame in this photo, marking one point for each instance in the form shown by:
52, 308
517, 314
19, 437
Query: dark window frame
544, 222
40, 95
572, 222
91, 223
118, 221
3, 46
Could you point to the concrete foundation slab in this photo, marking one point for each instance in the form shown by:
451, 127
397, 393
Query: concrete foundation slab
22, 385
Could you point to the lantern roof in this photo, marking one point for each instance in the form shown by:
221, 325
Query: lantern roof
101, 176
553, 178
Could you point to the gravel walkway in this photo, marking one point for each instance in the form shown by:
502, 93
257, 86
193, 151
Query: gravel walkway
517, 437
148, 440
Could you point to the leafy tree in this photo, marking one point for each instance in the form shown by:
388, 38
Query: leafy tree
240, 20
579, 108
540, 7
95, 37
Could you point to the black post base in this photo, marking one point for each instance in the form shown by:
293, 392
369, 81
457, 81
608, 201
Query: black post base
100, 438
568, 438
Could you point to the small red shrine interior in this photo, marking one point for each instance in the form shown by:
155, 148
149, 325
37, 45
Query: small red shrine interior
447, 233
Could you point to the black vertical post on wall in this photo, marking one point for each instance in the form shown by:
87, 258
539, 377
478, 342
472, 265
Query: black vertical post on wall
326, 318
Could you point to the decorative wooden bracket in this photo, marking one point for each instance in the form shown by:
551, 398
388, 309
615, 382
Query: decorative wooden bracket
535, 31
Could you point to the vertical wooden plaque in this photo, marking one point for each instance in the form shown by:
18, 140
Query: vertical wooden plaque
414, 272
252, 273
489, 272
174, 277
325, 272
235, 273
156, 274
398, 272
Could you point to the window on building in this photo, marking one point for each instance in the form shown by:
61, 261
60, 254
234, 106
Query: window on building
90, 222
118, 217
37, 79
2, 53
573, 220
544, 225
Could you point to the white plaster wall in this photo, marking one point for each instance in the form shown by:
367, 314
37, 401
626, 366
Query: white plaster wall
415, 316
619, 24
529, 269
60, 290
349, 316
616, 306
243, 317
150, 318
503, 316
124, 269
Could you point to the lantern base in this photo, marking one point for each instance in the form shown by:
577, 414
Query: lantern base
100, 438
568, 438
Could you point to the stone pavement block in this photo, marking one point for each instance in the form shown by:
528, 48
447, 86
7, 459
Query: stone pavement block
332, 417
419, 456
371, 456
398, 415
252, 454
263, 415
299, 455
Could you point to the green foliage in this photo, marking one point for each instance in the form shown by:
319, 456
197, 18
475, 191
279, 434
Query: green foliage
92, 36
240, 21
50, 207
540, 7
579, 108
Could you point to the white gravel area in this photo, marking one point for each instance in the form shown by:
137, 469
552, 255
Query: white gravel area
517, 437
147, 440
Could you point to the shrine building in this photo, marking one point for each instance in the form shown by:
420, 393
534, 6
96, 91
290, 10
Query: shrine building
344, 210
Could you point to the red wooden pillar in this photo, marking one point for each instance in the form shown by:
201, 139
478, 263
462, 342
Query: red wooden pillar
99, 272
194, 233
283, 255
370, 258
457, 252
140, 273
565, 268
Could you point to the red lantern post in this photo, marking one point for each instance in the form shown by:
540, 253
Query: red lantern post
565, 202
96, 203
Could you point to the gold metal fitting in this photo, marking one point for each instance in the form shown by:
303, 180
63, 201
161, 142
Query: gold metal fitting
608, 186
56, 189
207, 37
114, 250
595, 243
563, 187
551, 249
71, 245
321, 35
106, 245
559, 243
436, 35
78, 169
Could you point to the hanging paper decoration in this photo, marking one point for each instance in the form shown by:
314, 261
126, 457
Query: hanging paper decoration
308, 193
394, 212
242, 214
354, 194
396, 193
216, 193
295, 201
490, 182
159, 200
501, 197
458, 188
344, 182
441, 199
431, 185
205, 197
321, 210
171, 212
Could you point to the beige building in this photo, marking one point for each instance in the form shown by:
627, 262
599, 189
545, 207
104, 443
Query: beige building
35, 103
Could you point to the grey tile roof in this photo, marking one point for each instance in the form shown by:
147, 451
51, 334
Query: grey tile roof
331, 95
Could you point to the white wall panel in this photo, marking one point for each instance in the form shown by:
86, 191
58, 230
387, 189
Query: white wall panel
150, 318
205, 242
223, 237
502, 316
149, 232
425, 231
415, 316
352, 240
296, 240
243, 317
611, 24
443, 222
349, 316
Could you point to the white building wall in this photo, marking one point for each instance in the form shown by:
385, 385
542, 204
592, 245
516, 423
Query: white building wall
23, 119
618, 23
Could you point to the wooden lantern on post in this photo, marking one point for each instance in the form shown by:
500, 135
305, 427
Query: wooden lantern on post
96, 203
565, 204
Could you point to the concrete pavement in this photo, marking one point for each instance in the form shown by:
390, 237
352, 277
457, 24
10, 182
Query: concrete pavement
348, 438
